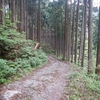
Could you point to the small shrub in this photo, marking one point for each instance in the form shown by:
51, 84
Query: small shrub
47, 48
5, 71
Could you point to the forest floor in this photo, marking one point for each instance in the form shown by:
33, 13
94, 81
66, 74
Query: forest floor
46, 83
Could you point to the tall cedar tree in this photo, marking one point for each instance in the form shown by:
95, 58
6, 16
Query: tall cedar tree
76, 34
27, 33
98, 48
90, 64
66, 31
70, 30
0, 10
13, 10
82, 35
85, 19
72, 34
39, 22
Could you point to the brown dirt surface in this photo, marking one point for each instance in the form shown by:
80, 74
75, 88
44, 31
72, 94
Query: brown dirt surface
46, 83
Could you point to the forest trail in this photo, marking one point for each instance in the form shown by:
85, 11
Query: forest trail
46, 83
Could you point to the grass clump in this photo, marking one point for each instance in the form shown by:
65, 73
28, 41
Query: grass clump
5, 71
83, 86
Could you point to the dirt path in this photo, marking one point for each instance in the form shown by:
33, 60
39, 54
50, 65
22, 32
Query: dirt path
46, 83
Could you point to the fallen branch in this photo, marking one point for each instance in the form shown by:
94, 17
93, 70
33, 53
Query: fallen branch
37, 45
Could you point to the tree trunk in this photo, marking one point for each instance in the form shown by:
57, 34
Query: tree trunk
76, 35
27, 33
85, 17
70, 30
39, 23
98, 49
55, 30
66, 31
2, 11
13, 11
90, 64
82, 36
72, 34
24, 15
21, 16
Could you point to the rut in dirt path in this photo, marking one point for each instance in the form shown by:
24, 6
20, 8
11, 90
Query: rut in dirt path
46, 83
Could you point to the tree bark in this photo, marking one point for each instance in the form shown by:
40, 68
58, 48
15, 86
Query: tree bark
21, 16
2, 11
98, 49
72, 34
90, 64
85, 17
39, 23
82, 36
70, 30
76, 35
13, 11
66, 31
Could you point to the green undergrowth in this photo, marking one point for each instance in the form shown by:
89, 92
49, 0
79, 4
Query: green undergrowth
47, 48
59, 57
20, 59
17, 55
83, 86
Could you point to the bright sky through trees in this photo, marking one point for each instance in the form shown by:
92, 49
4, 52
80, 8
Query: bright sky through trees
95, 2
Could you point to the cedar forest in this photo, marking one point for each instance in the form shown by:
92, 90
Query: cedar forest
32, 29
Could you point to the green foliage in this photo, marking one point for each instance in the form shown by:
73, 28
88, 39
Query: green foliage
47, 48
5, 71
92, 83
19, 53
29, 59
34, 57
83, 86
9, 40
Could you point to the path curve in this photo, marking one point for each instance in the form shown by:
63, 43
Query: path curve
46, 83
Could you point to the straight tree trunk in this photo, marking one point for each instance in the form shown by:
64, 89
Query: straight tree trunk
21, 16
24, 16
82, 36
10, 10
66, 31
76, 35
2, 11
30, 28
90, 64
27, 33
72, 34
70, 30
85, 17
98, 49
13, 16
39, 23
55, 30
